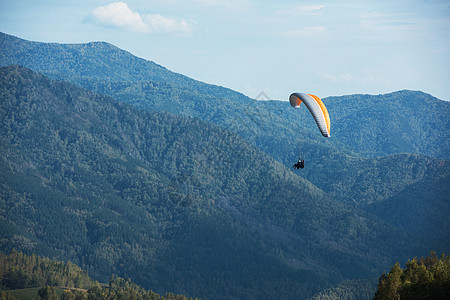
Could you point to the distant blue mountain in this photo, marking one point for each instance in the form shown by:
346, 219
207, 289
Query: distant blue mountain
401, 122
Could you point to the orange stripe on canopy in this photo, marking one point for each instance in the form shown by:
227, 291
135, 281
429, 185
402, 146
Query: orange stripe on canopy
324, 111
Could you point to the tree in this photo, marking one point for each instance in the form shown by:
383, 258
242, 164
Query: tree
95, 291
6, 296
389, 283
47, 293
427, 278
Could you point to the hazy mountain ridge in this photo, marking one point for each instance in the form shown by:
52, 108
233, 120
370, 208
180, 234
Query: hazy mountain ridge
100, 183
272, 126
107, 69
391, 127
98, 63
398, 122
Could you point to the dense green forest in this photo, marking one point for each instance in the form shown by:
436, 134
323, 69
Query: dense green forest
169, 201
182, 202
20, 271
425, 278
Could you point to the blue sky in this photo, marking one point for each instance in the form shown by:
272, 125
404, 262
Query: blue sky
327, 48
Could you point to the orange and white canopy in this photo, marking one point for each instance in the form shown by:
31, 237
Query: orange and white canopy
316, 108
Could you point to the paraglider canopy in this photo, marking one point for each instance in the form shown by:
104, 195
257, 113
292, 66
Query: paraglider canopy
316, 108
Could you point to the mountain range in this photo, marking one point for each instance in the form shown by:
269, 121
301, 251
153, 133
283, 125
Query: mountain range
122, 166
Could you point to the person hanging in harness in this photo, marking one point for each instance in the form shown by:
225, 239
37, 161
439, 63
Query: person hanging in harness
300, 164
319, 113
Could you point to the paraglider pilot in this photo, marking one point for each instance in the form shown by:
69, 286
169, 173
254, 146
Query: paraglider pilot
300, 164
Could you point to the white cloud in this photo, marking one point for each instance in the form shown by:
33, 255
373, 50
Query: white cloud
119, 15
159, 24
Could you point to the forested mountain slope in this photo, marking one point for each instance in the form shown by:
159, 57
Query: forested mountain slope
27, 276
172, 202
401, 122
362, 125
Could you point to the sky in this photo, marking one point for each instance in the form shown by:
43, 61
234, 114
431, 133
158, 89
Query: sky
270, 48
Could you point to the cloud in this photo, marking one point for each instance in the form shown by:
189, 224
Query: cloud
159, 24
119, 15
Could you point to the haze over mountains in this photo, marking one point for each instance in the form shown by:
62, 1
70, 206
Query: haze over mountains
191, 190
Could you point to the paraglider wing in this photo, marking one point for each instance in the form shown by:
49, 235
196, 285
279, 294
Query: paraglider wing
316, 108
